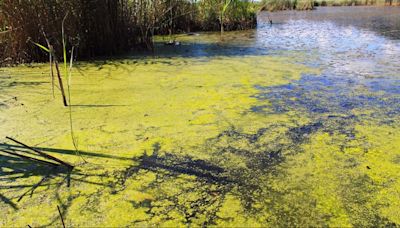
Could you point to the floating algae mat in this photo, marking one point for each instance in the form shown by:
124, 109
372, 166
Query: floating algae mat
208, 134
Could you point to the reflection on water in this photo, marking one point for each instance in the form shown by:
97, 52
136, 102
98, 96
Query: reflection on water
292, 124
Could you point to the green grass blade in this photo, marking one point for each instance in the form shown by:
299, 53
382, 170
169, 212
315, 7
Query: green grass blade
41, 47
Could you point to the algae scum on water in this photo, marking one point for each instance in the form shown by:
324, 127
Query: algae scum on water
204, 137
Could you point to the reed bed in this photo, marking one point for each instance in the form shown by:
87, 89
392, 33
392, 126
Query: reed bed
108, 27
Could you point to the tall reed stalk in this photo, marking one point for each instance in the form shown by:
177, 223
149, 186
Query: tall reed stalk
67, 73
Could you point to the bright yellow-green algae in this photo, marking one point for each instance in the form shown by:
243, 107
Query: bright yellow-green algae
121, 110
196, 108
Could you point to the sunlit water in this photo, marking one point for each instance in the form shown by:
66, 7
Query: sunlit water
296, 123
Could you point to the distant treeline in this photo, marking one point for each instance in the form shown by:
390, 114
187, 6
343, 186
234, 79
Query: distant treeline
109, 27
276, 5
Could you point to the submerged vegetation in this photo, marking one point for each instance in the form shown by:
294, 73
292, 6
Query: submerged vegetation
98, 28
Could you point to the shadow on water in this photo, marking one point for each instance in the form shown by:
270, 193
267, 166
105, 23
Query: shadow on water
15, 168
36, 178
61, 151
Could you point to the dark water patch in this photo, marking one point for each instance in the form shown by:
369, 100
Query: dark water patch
388, 85
335, 105
298, 134
317, 95
220, 48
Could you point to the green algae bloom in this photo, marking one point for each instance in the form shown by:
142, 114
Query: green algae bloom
211, 140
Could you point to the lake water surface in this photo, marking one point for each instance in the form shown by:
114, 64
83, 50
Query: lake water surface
296, 123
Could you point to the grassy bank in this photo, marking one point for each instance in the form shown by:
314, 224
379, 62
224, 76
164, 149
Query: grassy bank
107, 27
276, 5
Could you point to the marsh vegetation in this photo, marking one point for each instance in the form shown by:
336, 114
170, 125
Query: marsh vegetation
105, 27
